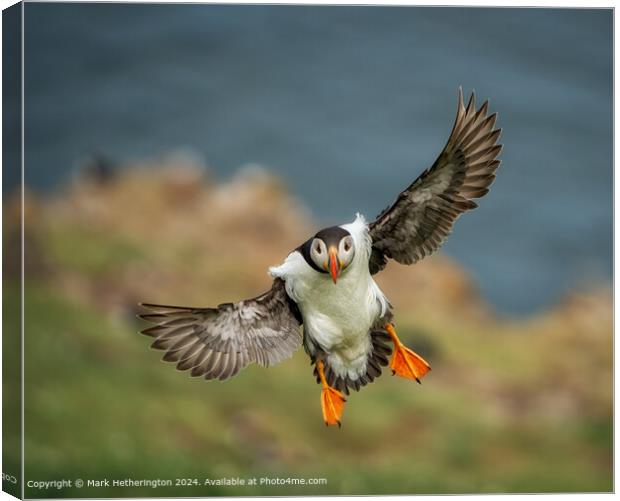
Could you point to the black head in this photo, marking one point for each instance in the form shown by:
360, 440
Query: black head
331, 251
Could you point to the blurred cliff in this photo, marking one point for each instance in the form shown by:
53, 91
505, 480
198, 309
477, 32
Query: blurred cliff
512, 405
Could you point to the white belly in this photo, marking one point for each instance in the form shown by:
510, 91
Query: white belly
338, 318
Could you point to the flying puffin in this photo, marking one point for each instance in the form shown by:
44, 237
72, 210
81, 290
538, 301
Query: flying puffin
326, 284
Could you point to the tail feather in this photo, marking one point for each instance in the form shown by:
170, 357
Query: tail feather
377, 359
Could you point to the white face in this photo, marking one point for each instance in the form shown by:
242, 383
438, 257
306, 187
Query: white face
344, 253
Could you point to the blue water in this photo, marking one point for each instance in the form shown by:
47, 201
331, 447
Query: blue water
348, 105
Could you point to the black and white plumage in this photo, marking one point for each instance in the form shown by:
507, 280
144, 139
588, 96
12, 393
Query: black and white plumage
422, 216
217, 343
326, 284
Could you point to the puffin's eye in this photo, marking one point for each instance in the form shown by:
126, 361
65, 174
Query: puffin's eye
318, 248
347, 246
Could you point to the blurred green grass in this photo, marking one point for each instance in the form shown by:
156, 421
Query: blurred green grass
510, 406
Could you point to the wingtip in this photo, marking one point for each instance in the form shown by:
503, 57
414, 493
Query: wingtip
147, 305
145, 316
471, 104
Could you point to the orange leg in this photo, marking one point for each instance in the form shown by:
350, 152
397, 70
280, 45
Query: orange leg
405, 362
332, 401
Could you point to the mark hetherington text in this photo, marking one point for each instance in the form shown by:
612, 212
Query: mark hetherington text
178, 482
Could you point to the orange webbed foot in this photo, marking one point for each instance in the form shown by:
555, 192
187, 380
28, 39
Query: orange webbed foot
332, 404
405, 362
332, 401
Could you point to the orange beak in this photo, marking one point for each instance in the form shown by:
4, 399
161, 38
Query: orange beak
334, 268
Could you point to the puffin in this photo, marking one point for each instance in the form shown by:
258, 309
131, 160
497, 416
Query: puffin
323, 295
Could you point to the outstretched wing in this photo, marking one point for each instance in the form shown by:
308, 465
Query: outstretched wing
217, 343
422, 216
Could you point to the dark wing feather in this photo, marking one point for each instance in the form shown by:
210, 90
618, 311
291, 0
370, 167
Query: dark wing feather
422, 216
216, 343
